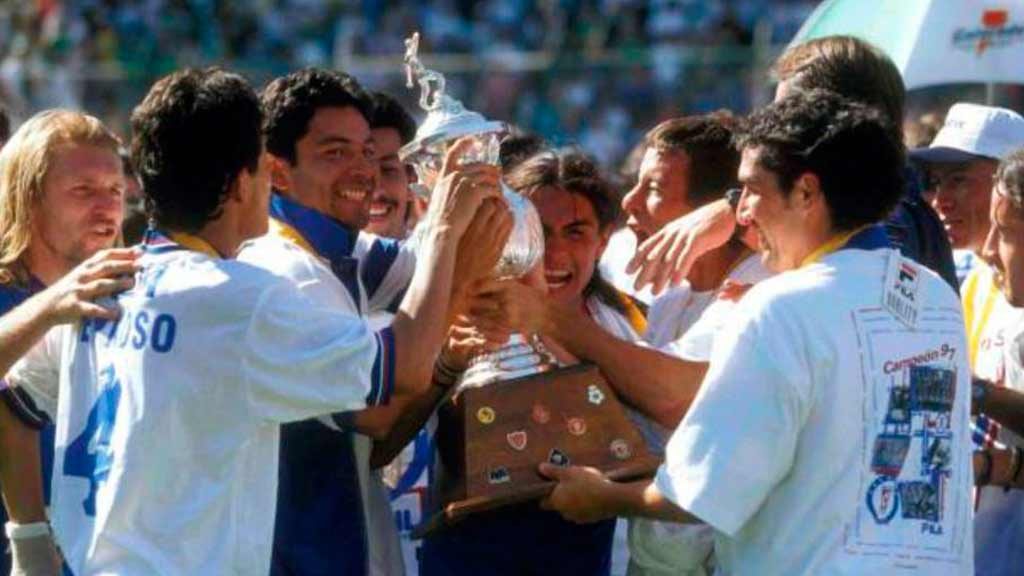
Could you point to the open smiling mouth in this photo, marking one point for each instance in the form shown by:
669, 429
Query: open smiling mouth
557, 278
381, 210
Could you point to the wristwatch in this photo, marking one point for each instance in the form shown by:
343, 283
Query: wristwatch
733, 195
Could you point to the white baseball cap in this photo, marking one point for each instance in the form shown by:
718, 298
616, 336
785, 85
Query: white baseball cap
972, 131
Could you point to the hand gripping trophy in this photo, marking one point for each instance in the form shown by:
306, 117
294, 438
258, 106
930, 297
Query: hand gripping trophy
513, 408
447, 121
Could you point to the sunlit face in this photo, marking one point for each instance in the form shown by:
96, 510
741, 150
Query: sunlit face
80, 208
661, 193
769, 211
573, 241
960, 196
1004, 246
389, 207
335, 170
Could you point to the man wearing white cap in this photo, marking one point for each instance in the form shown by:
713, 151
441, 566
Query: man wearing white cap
962, 162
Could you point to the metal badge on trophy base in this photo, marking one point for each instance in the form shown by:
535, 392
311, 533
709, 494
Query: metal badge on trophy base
512, 408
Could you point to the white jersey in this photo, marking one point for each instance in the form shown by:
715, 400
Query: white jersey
828, 437
167, 420
324, 522
993, 328
621, 247
684, 323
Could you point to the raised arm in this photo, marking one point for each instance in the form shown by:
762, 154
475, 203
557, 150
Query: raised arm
72, 297
465, 193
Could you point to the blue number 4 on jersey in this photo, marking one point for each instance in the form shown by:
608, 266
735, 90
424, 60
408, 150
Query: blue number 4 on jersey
89, 455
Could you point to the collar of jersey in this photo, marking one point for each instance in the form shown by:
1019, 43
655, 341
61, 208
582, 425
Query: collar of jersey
156, 242
311, 230
867, 237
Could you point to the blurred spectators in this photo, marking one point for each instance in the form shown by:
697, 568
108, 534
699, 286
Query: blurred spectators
593, 72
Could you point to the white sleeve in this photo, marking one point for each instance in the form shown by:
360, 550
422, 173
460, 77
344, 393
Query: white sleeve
34, 381
303, 360
739, 438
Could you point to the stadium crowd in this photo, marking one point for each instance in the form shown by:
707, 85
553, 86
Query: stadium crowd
617, 66
814, 327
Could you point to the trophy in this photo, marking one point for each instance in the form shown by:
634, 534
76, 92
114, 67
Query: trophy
447, 121
513, 408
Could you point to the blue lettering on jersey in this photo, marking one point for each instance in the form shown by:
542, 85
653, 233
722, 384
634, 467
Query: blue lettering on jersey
135, 328
89, 455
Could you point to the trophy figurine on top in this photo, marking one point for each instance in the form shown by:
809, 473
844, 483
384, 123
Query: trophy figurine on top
513, 408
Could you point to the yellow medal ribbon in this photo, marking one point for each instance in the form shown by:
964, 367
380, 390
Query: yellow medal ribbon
288, 232
833, 244
634, 315
975, 329
195, 244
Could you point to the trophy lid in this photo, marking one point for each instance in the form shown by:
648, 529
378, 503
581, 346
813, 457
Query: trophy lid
447, 119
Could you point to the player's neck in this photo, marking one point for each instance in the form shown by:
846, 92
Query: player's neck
222, 235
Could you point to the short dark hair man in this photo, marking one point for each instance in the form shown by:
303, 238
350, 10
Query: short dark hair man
395, 207
771, 454
324, 166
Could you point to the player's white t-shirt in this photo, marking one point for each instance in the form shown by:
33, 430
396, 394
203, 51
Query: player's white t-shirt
167, 419
829, 438
993, 329
684, 323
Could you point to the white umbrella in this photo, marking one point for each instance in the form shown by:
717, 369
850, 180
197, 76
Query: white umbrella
932, 41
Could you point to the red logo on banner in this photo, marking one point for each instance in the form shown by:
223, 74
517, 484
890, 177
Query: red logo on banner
992, 19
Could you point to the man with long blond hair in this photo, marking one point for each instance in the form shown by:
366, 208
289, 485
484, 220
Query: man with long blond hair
61, 187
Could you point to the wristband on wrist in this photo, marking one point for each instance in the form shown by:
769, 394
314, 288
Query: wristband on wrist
444, 375
24, 531
985, 476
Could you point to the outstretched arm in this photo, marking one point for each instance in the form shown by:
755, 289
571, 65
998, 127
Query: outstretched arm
584, 495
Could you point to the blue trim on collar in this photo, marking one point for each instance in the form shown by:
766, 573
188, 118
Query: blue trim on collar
156, 242
871, 238
330, 238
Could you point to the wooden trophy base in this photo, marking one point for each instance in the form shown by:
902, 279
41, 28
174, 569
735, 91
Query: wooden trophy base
492, 439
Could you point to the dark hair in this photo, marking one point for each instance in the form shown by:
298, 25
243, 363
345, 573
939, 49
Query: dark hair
849, 146
517, 147
706, 140
193, 134
289, 103
847, 66
1010, 174
576, 173
5, 124
388, 113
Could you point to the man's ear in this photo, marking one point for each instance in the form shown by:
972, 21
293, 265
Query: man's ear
806, 191
280, 173
239, 187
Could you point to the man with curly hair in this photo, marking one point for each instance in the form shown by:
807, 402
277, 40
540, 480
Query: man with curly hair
831, 434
